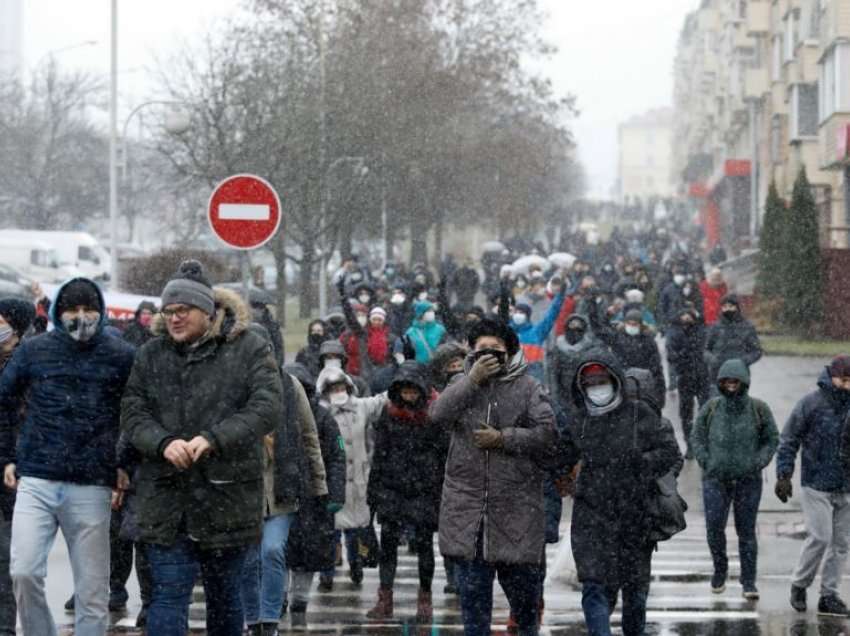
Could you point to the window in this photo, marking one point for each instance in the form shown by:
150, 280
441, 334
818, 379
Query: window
776, 139
804, 110
835, 81
776, 67
810, 13
85, 253
792, 34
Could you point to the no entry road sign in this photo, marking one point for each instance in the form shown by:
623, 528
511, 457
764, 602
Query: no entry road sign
244, 211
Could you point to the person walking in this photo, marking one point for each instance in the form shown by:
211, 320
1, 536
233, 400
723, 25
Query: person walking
734, 439
70, 383
426, 334
200, 399
731, 337
16, 319
309, 355
500, 422
405, 483
138, 332
533, 336
623, 446
713, 289
819, 426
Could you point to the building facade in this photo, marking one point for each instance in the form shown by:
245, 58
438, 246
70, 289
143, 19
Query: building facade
11, 36
762, 89
645, 157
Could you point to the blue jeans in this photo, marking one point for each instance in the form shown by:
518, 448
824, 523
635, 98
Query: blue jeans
173, 571
521, 584
744, 495
265, 581
82, 512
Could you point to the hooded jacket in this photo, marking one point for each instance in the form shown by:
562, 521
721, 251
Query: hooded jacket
685, 348
73, 402
496, 493
818, 424
711, 299
564, 360
734, 437
532, 336
730, 339
406, 479
425, 336
136, 333
225, 387
623, 449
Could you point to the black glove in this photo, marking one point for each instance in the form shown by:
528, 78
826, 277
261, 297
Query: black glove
783, 489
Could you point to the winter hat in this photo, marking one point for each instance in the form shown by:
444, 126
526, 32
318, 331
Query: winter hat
634, 315
420, 307
378, 312
190, 286
496, 329
80, 291
145, 305
332, 348
732, 299
634, 296
526, 309
838, 368
593, 371
18, 313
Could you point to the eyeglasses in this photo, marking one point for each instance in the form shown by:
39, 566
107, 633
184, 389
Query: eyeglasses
178, 312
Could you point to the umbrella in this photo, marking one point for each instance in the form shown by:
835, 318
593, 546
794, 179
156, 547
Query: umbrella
524, 263
493, 246
562, 260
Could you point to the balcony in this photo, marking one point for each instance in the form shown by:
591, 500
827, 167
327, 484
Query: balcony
756, 83
758, 18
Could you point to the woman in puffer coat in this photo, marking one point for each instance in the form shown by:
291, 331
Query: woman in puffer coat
355, 417
405, 483
311, 539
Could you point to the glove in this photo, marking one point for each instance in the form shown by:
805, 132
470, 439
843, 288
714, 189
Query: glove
783, 489
333, 507
483, 369
487, 438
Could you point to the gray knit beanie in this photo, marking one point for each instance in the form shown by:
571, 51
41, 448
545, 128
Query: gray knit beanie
189, 286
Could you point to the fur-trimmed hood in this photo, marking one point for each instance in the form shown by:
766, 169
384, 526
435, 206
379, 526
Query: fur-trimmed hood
232, 317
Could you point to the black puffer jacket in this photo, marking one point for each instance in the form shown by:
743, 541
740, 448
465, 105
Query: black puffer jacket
621, 452
731, 338
409, 458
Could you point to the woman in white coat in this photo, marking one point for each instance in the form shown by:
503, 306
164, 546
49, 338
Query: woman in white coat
355, 417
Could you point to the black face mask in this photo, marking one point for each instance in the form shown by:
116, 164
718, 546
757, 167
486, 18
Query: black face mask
730, 315
316, 338
728, 393
573, 336
500, 356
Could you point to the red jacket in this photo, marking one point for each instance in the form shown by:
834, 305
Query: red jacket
377, 346
567, 310
711, 300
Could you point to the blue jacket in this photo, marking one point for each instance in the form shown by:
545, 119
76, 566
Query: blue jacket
532, 336
73, 396
816, 424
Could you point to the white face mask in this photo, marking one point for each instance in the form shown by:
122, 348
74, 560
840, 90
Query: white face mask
81, 327
362, 320
521, 284
601, 394
6, 334
338, 398
679, 279
399, 358
333, 363
429, 316
686, 291
364, 298
423, 296
397, 299
520, 318
632, 330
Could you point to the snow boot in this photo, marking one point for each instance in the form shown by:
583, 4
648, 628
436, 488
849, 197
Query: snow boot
383, 608
424, 607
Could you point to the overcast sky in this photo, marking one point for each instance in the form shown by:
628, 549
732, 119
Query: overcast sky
615, 55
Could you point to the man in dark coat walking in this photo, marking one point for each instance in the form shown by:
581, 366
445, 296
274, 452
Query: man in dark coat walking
623, 446
492, 512
197, 405
732, 337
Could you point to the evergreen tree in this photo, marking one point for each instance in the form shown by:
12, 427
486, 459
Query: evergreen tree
772, 257
803, 307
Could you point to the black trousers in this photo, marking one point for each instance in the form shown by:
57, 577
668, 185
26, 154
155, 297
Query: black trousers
423, 542
692, 386
121, 553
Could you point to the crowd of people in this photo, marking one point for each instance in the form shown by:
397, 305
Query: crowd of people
466, 403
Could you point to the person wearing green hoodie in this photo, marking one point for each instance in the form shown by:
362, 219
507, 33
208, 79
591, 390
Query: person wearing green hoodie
734, 438
425, 334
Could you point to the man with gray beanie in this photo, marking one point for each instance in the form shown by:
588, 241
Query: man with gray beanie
202, 396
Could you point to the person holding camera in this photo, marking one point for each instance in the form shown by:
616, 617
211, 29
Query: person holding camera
492, 512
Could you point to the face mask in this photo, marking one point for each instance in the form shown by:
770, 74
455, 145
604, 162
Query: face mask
361, 320
81, 329
725, 391
397, 299
608, 269
390, 272
364, 299
730, 313
520, 318
333, 363
521, 284
686, 291
339, 398
5, 334
316, 338
145, 320
679, 279
423, 296
632, 330
429, 316
601, 394
573, 336
399, 358
420, 278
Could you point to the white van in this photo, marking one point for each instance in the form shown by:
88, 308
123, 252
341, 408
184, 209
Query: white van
35, 259
80, 250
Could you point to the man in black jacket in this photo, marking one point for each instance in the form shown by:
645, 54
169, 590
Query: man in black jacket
731, 337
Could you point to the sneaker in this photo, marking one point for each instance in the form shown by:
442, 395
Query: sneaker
718, 583
450, 589
798, 598
356, 575
69, 605
326, 584
117, 605
831, 606
750, 592
142, 618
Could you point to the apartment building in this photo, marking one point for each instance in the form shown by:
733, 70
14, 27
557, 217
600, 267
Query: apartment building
762, 88
11, 36
645, 157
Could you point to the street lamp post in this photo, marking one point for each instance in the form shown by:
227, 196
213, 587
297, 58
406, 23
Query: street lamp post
113, 148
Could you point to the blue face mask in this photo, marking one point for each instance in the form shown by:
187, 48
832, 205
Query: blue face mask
6, 334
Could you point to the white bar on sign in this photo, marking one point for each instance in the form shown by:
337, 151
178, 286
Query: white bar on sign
244, 212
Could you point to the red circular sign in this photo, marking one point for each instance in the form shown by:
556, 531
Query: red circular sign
244, 211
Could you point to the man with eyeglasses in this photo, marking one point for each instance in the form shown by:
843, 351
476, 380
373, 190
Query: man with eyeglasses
69, 382
198, 404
